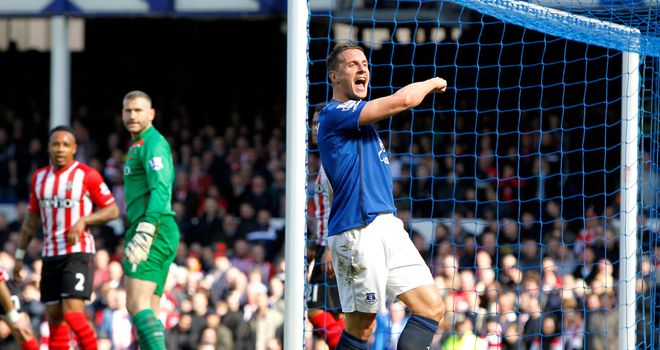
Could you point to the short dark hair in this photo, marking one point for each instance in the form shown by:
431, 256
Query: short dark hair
136, 94
333, 57
65, 128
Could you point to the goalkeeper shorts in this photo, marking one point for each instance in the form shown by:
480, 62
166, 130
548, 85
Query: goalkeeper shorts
161, 254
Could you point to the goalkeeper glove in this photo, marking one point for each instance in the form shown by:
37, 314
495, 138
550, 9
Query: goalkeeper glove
137, 250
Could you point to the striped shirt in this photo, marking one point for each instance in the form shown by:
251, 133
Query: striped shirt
62, 198
320, 206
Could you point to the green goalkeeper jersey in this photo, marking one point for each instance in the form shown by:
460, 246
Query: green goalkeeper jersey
148, 178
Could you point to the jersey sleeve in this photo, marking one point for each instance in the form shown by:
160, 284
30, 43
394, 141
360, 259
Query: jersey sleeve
98, 190
344, 116
33, 204
159, 173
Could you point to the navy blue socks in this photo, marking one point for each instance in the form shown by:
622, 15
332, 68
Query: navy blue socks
417, 334
349, 342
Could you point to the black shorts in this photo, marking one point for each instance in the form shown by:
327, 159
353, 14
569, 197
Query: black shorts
67, 277
322, 292
16, 297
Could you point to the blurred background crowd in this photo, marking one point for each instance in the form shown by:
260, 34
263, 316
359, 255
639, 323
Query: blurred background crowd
524, 245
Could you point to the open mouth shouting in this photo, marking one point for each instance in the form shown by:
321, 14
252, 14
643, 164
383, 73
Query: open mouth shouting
361, 86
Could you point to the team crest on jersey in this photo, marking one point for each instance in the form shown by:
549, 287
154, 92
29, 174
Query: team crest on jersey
134, 148
319, 188
348, 105
69, 185
382, 154
370, 298
156, 163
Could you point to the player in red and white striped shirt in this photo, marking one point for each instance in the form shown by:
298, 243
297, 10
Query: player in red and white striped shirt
62, 197
17, 320
320, 206
323, 302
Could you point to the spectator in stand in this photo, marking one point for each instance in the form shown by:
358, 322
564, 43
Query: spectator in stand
464, 338
200, 180
468, 252
207, 228
265, 235
87, 146
116, 273
489, 244
184, 194
256, 194
180, 337
510, 275
389, 326
27, 162
264, 322
248, 221
120, 323
529, 255
533, 326
550, 336
8, 167
586, 269
602, 323
573, 327
508, 309
512, 339
509, 237
101, 271
236, 322
277, 193
259, 265
200, 309
241, 258
564, 256
208, 340
493, 334
223, 336
588, 233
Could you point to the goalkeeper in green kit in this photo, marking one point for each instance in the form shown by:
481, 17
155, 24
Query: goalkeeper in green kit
153, 237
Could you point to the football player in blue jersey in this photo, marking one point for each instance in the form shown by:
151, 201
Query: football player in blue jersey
373, 256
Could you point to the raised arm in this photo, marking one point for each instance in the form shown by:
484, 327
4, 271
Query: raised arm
408, 97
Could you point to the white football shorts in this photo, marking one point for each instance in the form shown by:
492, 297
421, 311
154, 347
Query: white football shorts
374, 262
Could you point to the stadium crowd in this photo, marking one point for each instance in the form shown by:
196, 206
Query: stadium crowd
515, 271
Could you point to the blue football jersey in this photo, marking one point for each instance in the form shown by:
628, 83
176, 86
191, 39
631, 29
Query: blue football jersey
357, 165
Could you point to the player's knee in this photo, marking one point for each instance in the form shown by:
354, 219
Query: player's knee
132, 307
55, 318
439, 310
435, 310
360, 325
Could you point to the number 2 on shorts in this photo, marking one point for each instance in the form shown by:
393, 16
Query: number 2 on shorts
80, 286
